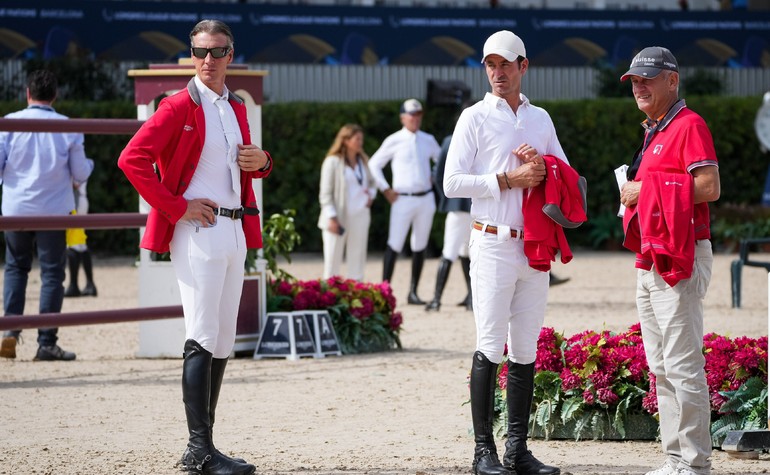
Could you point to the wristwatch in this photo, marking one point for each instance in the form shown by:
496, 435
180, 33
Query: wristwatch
762, 122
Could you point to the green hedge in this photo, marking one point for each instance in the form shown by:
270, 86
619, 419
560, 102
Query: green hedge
598, 135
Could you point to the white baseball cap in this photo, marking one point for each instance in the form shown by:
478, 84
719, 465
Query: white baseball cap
411, 106
506, 44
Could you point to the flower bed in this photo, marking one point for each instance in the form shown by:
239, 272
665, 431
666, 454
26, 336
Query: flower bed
363, 314
597, 385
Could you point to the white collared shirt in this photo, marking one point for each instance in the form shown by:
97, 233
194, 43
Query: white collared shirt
410, 155
482, 147
212, 177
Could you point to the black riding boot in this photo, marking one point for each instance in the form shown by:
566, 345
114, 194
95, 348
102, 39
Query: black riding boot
483, 382
468, 302
418, 259
203, 458
518, 459
90, 288
217, 375
73, 260
389, 263
441, 277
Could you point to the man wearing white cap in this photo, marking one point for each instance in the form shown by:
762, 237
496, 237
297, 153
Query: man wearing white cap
409, 151
496, 152
678, 152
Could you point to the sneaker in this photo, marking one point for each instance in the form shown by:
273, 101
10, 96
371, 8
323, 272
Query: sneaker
685, 471
8, 347
53, 353
664, 469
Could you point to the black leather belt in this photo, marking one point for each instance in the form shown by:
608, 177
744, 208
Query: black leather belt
229, 213
419, 193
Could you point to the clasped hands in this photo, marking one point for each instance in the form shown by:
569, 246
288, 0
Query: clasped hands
529, 174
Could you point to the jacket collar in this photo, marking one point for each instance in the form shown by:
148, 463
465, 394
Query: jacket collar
192, 89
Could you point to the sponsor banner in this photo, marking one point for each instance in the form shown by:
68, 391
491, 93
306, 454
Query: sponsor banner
158, 32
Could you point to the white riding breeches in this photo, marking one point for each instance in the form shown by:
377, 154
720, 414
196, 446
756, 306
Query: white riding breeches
509, 298
457, 233
415, 212
209, 265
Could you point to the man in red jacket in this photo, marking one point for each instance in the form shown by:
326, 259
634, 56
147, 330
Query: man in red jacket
205, 213
677, 143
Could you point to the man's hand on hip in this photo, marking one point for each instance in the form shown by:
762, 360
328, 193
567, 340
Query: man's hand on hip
201, 210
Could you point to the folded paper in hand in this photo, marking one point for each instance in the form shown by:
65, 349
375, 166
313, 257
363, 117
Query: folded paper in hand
621, 177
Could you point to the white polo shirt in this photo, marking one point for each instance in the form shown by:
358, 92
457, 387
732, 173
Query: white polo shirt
482, 147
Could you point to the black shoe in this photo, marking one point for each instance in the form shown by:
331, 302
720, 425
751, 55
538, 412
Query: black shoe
188, 461
553, 280
72, 291
527, 464
467, 303
8, 347
413, 299
53, 353
433, 305
89, 290
487, 463
215, 463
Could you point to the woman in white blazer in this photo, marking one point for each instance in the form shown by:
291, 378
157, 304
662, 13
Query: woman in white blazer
346, 194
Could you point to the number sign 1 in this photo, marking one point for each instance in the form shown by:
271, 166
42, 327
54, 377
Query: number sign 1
285, 335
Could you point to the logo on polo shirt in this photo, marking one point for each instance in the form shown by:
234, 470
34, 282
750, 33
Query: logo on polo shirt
658, 148
188, 128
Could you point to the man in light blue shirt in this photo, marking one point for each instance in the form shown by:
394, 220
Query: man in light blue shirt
37, 171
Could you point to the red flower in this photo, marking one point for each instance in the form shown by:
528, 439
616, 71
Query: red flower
283, 288
607, 396
395, 321
502, 378
569, 380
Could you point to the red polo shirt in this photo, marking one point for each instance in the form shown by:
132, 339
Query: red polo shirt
682, 143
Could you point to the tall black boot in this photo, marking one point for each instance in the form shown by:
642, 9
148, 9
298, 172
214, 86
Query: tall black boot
468, 302
418, 259
73, 260
203, 458
90, 288
483, 382
441, 277
218, 366
389, 263
518, 459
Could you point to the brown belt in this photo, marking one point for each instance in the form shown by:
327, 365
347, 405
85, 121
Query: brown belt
493, 229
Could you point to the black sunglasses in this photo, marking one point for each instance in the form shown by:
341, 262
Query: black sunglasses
218, 52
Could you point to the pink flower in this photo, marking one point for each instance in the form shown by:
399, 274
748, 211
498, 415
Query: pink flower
361, 308
306, 299
606, 396
283, 288
395, 321
502, 378
588, 397
569, 380
328, 299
